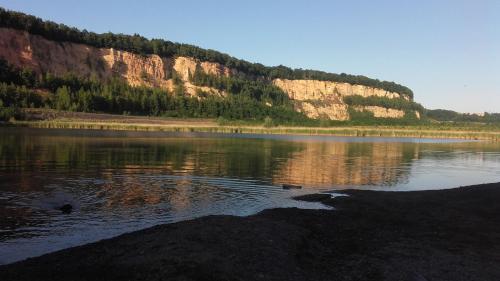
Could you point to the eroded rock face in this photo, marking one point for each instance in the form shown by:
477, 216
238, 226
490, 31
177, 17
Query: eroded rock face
323, 99
332, 111
35, 52
186, 66
315, 89
26, 50
316, 99
151, 70
382, 112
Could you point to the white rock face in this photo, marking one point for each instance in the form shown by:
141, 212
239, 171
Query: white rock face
328, 98
23, 49
382, 112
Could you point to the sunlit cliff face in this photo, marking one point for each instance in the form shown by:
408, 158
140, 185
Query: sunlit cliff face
41, 55
319, 99
316, 99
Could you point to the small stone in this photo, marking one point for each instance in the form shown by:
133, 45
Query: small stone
291, 186
66, 208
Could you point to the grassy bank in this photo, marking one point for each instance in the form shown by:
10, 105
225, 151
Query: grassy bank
336, 131
92, 121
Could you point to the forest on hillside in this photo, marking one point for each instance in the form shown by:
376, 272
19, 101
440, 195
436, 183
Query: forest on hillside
246, 100
453, 116
22, 88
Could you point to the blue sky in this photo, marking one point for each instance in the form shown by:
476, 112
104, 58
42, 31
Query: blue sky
447, 52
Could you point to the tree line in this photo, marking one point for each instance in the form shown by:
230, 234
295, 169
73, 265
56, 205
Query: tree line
396, 103
246, 99
234, 85
450, 115
141, 45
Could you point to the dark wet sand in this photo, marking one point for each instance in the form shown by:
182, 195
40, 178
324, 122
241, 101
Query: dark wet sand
426, 235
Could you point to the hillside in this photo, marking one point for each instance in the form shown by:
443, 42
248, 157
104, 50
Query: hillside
45, 64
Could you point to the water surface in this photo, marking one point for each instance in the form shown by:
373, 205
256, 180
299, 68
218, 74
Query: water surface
124, 181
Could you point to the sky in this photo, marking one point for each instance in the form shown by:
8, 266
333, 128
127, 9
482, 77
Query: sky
447, 52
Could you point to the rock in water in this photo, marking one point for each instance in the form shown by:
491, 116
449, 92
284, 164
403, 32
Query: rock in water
66, 208
291, 186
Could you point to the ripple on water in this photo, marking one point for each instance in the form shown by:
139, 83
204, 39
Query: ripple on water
118, 184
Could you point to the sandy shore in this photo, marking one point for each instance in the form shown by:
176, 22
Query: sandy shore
426, 235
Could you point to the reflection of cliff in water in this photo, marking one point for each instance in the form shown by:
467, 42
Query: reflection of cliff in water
325, 164
140, 176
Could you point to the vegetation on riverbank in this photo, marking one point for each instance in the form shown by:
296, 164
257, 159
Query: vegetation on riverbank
22, 88
248, 102
396, 103
452, 116
41, 118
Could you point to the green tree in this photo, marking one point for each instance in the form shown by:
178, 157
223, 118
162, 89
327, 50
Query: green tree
63, 98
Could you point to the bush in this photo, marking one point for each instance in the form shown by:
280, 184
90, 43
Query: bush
9, 113
221, 121
269, 122
396, 103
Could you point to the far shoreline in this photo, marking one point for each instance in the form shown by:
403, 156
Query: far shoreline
50, 119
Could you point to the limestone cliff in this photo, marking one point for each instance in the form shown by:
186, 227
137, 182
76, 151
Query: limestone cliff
324, 98
185, 66
315, 89
381, 112
32, 51
316, 99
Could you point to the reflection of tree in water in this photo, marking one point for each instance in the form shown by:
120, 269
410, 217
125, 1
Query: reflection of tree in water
232, 158
487, 151
248, 158
120, 173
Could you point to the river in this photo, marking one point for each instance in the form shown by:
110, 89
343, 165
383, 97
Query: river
121, 181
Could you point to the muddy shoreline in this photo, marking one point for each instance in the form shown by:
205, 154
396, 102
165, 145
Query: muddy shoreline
421, 235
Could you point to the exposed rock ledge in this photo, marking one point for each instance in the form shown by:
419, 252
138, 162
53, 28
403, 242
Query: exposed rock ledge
382, 112
319, 90
23, 49
324, 99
